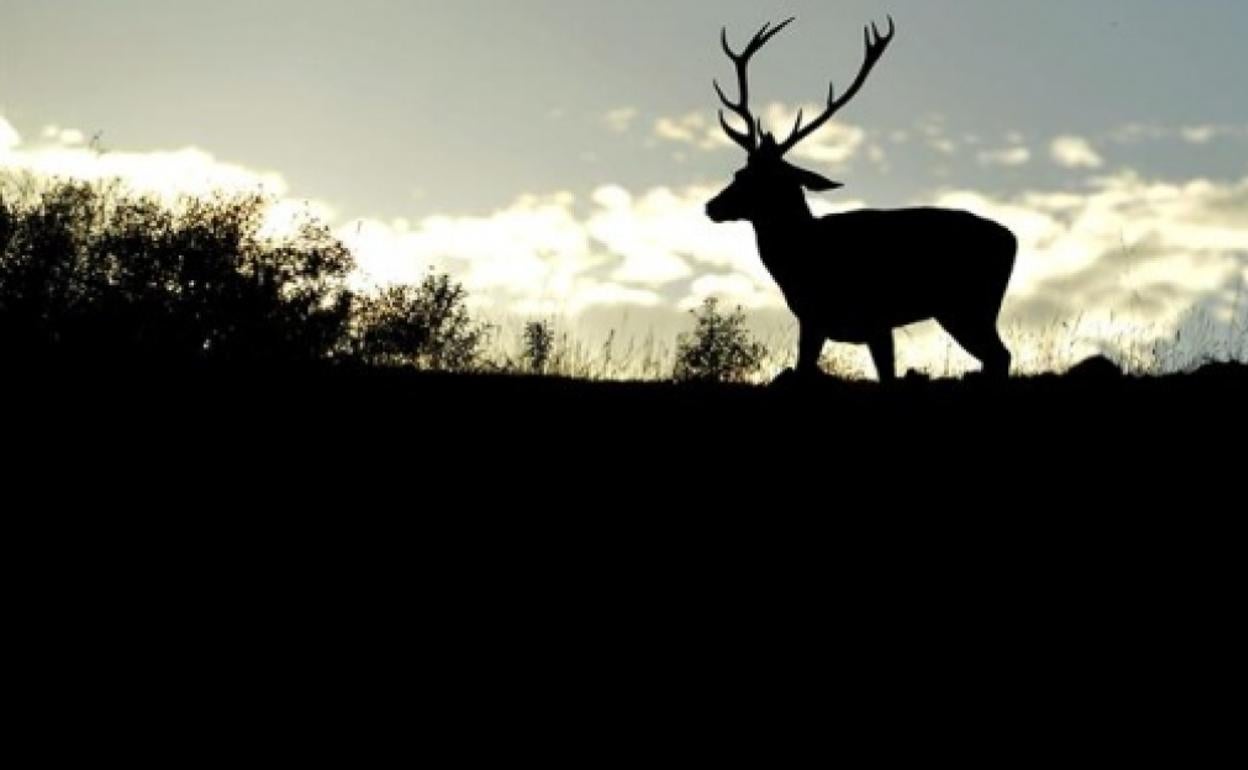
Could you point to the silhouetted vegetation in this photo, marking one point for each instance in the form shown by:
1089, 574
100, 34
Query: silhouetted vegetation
427, 326
720, 349
539, 345
87, 273
93, 276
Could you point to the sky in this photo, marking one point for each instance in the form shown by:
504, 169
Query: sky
555, 155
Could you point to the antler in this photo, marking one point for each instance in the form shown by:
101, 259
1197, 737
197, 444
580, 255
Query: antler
877, 43
748, 140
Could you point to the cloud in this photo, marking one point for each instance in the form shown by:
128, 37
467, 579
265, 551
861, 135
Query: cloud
63, 153
620, 120
533, 248
694, 129
932, 129
834, 145
1125, 258
187, 171
877, 155
66, 136
1009, 156
1075, 152
736, 288
1134, 133
558, 254
1200, 134
1120, 246
1204, 134
637, 232
9, 138
544, 253
1119, 258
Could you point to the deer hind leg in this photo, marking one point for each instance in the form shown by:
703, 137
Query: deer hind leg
980, 339
883, 354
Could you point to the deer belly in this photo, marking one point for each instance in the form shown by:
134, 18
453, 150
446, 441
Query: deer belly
858, 318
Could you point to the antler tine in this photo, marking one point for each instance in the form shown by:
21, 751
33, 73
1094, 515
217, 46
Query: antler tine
876, 43
748, 140
765, 35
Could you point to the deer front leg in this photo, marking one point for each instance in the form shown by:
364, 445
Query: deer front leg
809, 347
882, 353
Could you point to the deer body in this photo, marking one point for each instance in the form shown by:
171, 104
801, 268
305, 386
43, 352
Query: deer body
857, 276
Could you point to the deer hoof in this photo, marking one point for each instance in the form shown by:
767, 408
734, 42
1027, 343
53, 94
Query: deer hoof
785, 378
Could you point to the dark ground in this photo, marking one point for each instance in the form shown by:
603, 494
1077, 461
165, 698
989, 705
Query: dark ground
339, 561
967, 479
552, 443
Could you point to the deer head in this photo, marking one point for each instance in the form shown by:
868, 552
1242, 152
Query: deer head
770, 188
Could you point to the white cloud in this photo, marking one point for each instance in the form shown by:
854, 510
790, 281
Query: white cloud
540, 255
733, 288
1010, 156
1144, 250
636, 230
1124, 254
592, 294
1075, 152
9, 138
1133, 133
1207, 133
933, 131
1197, 134
66, 136
877, 156
620, 120
1131, 252
532, 249
188, 171
63, 153
834, 145
1200, 134
1121, 254
694, 129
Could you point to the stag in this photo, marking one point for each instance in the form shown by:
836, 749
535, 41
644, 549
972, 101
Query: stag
856, 277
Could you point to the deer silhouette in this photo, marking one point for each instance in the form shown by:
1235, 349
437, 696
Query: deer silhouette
857, 276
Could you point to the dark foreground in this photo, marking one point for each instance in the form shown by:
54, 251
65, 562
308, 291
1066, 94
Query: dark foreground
519, 568
513, 466
449, 436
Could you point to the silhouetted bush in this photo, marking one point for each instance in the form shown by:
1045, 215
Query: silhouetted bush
90, 273
427, 326
6, 224
539, 345
720, 348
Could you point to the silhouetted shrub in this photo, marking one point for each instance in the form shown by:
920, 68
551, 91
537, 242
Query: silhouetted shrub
427, 326
539, 345
719, 349
90, 273
6, 224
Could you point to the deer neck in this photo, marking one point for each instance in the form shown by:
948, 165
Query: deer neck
778, 234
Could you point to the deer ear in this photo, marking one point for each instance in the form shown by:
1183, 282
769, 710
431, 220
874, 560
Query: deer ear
815, 182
